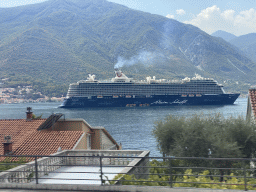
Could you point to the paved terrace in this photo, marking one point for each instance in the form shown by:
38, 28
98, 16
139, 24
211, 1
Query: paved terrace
72, 175
77, 167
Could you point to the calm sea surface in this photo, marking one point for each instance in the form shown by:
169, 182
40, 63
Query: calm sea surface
130, 126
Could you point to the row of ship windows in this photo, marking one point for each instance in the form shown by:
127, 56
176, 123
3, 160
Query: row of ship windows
136, 91
99, 94
141, 87
147, 85
158, 88
138, 88
143, 92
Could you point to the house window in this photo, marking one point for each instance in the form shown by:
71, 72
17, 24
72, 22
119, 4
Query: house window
89, 141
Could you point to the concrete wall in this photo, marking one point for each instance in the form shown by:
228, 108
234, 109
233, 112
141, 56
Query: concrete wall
85, 127
249, 113
68, 126
82, 143
99, 138
96, 139
71, 125
138, 166
109, 157
75, 125
108, 188
106, 143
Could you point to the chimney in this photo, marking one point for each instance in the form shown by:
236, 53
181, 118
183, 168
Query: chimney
7, 145
29, 113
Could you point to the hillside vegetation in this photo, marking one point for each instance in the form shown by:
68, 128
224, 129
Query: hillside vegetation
61, 41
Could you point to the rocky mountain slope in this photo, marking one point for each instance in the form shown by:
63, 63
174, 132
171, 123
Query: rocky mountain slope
61, 41
246, 43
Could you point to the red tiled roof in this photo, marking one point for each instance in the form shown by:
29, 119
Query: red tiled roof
252, 96
48, 142
18, 129
28, 141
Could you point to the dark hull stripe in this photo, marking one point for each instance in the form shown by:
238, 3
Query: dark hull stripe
156, 100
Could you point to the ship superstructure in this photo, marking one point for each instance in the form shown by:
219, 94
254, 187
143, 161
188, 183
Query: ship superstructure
123, 91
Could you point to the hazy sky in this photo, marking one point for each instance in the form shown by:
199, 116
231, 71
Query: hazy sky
234, 16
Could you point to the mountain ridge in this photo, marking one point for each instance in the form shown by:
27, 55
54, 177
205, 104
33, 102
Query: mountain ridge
224, 35
63, 41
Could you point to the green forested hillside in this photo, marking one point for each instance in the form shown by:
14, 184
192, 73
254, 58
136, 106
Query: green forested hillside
61, 41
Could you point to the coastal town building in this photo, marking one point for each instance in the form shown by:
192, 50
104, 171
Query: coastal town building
251, 105
47, 136
19, 95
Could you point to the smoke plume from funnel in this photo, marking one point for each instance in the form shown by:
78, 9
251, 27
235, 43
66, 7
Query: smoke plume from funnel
146, 58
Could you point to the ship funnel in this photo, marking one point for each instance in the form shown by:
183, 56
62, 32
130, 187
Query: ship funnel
118, 73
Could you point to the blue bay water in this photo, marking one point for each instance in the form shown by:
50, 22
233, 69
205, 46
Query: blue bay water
130, 126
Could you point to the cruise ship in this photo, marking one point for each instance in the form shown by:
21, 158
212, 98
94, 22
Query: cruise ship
122, 91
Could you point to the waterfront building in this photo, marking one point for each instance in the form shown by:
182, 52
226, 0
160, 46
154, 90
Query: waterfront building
47, 136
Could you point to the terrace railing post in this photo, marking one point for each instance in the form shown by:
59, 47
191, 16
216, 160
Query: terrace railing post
245, 182
101, 173
36, 170
170, 169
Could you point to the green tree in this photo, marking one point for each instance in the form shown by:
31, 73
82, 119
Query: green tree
212, 136
201, 136
36, 117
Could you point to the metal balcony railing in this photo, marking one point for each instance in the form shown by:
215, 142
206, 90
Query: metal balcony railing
136, 170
